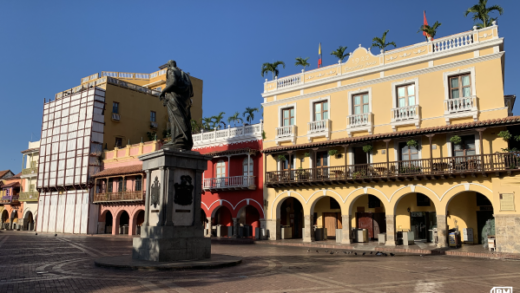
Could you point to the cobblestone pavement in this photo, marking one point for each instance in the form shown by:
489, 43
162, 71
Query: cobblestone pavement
45, 263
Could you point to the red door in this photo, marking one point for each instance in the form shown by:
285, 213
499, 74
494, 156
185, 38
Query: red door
365, 221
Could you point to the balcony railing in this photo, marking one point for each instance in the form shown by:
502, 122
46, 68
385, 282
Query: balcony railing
28, 196
467, 104
119, 196
29, 171
319, 126
286, 133
405, 113
453, 42
230, 183
7, 199
231, 133
397, 170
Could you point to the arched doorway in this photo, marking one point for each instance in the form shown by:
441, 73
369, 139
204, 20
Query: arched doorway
139, 220
415, 213
124, 221
291, 218
248, 221
326, 217
471, 213
28, 222
5, 219
223, 222
109, 220
367, 212
203, 218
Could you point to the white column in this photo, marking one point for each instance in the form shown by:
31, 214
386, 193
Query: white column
248, 168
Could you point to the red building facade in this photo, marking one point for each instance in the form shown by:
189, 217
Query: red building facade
232, 199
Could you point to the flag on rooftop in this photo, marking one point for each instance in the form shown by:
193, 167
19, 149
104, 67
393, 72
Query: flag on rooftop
425, 22
319, 53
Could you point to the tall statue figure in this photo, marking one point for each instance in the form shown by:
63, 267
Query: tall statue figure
177, 97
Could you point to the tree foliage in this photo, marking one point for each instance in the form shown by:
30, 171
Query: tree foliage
481, 12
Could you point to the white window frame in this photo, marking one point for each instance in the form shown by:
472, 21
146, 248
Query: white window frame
450, 146
351, 95
397, 150
395, 85
447, 75
311, 107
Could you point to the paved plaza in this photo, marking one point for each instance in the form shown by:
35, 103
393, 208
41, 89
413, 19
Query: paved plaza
45, 263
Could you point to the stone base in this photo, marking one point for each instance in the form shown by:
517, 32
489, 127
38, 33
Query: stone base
171, 249
125, 262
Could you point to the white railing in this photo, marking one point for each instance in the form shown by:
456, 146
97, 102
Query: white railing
319, 126
359, 119
286, 131
245, 131
115, 116
453, 42
288, 81
460, 105
229, 182
405, 113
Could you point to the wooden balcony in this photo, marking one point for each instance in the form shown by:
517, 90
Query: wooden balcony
229, 183
121, 196
428, 169
9, 199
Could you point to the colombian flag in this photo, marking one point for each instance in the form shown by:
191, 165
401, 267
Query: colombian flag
425, 22
319, 53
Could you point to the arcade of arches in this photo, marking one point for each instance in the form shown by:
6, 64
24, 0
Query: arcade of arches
228, 222
119, 219
424, 212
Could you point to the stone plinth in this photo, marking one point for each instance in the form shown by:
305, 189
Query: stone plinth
172, 228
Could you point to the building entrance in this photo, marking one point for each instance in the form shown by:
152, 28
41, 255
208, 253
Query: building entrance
421, 224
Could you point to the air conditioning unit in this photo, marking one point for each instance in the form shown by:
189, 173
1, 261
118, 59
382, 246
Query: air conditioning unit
115, 117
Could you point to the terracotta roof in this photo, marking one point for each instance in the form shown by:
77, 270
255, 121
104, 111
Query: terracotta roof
119, 171
17, 176
13, 184
232, 152
437, 129
3, 173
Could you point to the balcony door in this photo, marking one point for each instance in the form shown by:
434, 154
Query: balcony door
220, 171
321, 111
466, 146
409, 157
247, 171
288, 117
406, 96
322, 162
361, 104
460, 86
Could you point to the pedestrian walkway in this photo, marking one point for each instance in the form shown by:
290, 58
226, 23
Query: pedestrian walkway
418, 248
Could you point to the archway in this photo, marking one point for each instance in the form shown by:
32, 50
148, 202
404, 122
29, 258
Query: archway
109, 220
367, 212
415, 214
471, 213
223, 222
14, 219
28, 221
326, 217
124, 221
291, 218
248, 220
138, 221
5, 219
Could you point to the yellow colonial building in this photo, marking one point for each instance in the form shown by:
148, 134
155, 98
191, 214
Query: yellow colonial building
402, 146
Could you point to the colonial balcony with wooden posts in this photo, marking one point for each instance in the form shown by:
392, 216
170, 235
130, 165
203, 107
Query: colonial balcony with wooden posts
119, 185
484, 155
229, 183
427, 169
9, 199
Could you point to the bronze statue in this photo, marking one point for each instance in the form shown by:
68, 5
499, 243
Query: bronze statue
177, 97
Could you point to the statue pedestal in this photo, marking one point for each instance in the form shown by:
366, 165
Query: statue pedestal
172, 228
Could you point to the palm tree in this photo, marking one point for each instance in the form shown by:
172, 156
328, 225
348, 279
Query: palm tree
381, 42
195, 126
217, 120
207, 123
250, 112
340, 53
481, 12
272, 67
235, 118
302, 62
430, 30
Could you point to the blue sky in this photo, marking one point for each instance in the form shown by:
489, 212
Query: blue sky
48, 46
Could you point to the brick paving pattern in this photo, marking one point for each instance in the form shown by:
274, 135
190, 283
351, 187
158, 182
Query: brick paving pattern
45, 263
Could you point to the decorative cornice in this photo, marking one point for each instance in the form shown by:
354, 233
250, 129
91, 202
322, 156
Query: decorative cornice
386, 78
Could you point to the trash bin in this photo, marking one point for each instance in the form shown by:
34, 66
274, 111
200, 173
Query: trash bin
362, 235
381, 238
